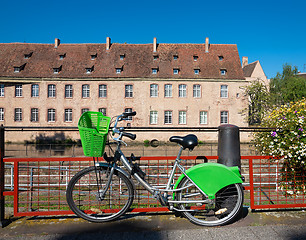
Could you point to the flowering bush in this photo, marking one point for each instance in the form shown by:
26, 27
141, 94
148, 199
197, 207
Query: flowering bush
287, 141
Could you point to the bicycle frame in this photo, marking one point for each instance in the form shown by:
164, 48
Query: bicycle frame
160, 194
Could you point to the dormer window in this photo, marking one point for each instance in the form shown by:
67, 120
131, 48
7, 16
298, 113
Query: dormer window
223, 72
93, 56
176, 71
118, 70
122, 56
175, 57
155, 57
62, 56
18, 69
89, 70
154, 70
195, 58
221, 58
57, 70
28, 55
196, 71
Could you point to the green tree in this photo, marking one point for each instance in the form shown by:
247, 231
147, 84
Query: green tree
287, 87
258, 101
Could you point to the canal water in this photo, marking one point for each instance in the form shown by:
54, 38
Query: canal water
64, 150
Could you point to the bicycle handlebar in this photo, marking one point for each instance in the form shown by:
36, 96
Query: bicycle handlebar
120, 131
127, 114
129, 135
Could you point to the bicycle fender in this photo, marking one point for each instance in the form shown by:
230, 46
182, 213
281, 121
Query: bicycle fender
212, 177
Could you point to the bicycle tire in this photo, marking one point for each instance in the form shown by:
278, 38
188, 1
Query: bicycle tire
83, 196
228, 204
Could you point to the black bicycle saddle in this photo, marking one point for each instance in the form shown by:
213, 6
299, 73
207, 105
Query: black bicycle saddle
189, 141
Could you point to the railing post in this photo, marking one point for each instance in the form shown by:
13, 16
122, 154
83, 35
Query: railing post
3, 221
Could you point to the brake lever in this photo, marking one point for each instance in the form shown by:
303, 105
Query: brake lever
119, 140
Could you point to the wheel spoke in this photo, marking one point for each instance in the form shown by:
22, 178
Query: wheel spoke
227, 204
94, 202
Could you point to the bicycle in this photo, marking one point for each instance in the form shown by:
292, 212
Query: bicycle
208, 194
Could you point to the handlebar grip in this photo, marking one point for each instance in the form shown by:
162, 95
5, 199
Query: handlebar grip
127, 114
129, 135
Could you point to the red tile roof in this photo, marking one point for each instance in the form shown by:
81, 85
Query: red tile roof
137, 63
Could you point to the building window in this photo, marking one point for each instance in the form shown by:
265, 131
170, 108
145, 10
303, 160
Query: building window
153, 90
103, 111
195, 58
68, 115
128, 110
16, 69
122, 56
175, 71
18, 90
18, 114
221, 58
34, 114
196, 90
155, 57
89, 70
196, 71
93, 56
182, 90
223, 72
35, 90
224, 91
168, 117
1, 90
85, 91
51, 115
168, 90
182, 117
68, 91
118, 70
57, 70
175, 57
62, 56
84, 110
128, 91
203, 117
51, 90
153, 117
154, 70
28, 55
224, 117
102, 91
1, 114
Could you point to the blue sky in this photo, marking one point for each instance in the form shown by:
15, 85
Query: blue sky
273, 32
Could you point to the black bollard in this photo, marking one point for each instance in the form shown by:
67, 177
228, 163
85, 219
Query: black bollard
229, 145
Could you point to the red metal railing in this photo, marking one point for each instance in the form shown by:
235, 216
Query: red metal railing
37, 185
272, 186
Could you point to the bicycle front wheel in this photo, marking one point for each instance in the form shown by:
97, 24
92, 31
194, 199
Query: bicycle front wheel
226, 207
89, 197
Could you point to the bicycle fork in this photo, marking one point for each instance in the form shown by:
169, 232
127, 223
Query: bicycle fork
102, 192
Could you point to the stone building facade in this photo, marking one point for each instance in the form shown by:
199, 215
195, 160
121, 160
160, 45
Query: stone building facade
168, 85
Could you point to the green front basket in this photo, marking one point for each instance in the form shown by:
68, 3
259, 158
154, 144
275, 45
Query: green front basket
93, 128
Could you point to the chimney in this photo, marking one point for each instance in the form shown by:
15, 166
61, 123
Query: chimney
245, 61
57, 42
206, 44
108, 43
154, 44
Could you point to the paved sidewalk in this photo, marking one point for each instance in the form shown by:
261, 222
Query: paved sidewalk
289, 225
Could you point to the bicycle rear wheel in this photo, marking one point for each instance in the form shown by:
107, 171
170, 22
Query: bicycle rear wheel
227, 206
95, 203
